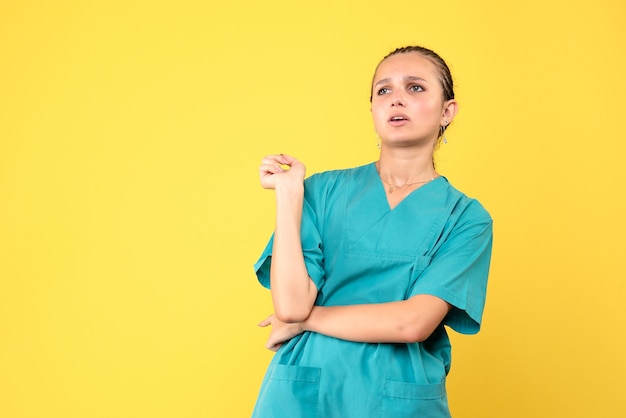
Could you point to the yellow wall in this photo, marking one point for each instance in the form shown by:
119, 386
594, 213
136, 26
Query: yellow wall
130, 214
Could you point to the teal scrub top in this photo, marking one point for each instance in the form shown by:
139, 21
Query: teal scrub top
358, 250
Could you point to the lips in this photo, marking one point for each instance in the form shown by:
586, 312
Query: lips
398, 119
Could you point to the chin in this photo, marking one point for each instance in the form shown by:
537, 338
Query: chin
398, 137
409, 141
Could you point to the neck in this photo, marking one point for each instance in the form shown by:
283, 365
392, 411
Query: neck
401, 169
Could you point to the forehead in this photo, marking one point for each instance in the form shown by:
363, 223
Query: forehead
406, 64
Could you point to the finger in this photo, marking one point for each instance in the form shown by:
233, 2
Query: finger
287, 159
280, 158
267, 321
274, 347
272, 341
271, 168
277, 158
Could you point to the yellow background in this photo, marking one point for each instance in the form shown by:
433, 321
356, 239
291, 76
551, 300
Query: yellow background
131, 215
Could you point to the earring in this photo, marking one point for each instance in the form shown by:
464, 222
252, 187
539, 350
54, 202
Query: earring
443, 131
378, 142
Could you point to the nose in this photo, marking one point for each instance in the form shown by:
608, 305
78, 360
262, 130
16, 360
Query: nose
397, 100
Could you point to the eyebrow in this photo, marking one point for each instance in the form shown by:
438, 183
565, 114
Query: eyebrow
409, 78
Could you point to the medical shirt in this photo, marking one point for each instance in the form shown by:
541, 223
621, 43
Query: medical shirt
358, 250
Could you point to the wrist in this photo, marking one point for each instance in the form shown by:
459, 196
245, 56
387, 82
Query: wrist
289, 194
288, 186
309, 323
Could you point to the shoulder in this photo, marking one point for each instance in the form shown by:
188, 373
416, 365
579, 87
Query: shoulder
332, 179
340, 174
324, 191
465, 207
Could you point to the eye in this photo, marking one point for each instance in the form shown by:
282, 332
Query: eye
383, 90
416, 87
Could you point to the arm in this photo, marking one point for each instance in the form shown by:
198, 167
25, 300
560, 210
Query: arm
293, 291
456, 277
453, 287
407, 321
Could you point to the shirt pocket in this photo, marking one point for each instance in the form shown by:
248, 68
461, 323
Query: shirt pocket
408, 400
289, 391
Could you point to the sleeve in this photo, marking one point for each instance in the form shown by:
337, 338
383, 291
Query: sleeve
458, 274
311, 249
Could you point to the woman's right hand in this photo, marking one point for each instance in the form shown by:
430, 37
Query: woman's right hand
272, 172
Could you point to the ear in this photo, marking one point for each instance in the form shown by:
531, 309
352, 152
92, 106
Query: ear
450, 109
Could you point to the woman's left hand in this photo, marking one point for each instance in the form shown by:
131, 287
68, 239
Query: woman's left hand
281, 332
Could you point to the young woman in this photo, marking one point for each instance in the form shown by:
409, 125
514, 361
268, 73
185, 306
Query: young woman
367, 265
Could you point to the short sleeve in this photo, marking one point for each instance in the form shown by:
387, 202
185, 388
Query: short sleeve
458, 273
311, 249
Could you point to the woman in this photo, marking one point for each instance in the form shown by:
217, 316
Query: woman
367, 265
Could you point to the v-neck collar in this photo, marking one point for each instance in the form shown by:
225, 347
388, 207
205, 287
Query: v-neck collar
368, 219
380, 188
